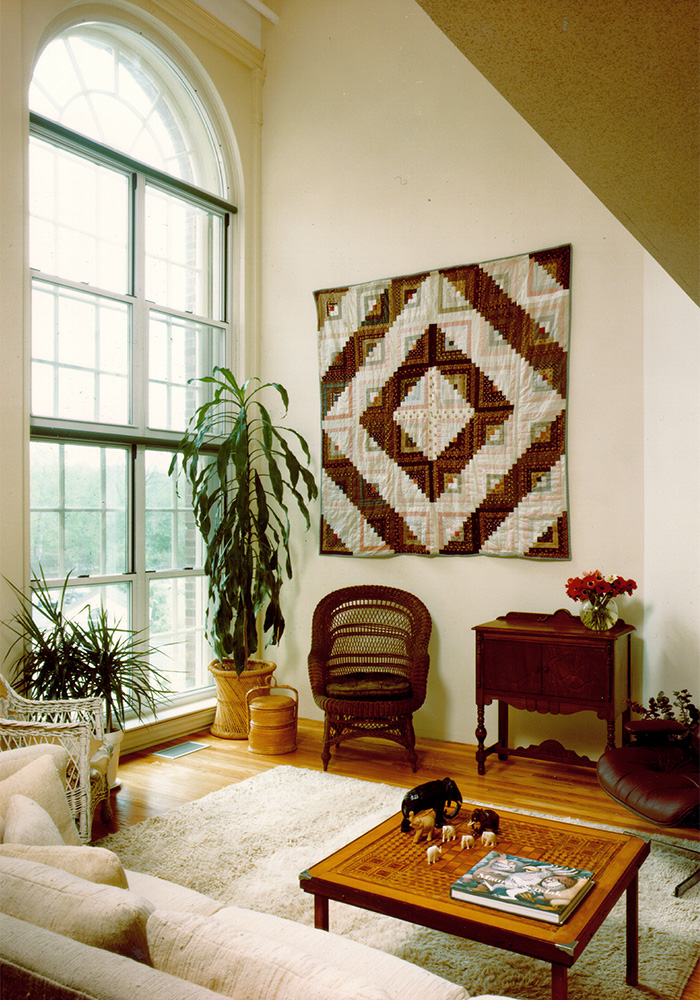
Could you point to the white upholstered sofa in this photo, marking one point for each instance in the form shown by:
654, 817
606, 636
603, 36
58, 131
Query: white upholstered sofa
75, 926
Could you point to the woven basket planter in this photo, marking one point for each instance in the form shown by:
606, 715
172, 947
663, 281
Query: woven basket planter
231, 716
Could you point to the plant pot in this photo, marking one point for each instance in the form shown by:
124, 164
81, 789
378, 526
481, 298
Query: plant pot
114, 739
231, 716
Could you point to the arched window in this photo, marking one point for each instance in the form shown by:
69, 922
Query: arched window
129, 243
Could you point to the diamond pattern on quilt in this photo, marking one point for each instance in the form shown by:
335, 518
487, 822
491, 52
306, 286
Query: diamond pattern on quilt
443, 401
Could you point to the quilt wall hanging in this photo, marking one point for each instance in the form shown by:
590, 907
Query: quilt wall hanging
443, 408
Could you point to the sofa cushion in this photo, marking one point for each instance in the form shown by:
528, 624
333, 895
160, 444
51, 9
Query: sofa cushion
96, 864
39, 781
397, 977
13, 760
26, 822
36, 963
169, 896
244, 965
402, 980
99, 915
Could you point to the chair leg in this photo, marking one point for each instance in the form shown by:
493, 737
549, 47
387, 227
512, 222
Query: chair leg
411, 742
687, 883
326, 752
686, 852
106, 810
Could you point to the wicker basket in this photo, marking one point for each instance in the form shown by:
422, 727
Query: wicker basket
272, 719
231, 717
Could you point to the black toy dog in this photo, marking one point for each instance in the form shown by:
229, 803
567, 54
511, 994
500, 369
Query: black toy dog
431, 795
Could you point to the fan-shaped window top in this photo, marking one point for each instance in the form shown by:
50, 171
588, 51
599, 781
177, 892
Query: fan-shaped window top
112, 85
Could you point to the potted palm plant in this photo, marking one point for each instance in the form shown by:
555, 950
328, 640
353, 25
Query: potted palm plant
85, 655
244, 474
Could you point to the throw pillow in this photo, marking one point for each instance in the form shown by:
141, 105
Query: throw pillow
99, 915
244, 965
26, 822
95, 864
12, 760
40, 781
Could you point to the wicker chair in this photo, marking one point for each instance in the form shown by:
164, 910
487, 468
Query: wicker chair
77, 725
368, 664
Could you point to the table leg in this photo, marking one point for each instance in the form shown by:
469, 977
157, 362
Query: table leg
633, 932
559, 982
321, 913
480, 734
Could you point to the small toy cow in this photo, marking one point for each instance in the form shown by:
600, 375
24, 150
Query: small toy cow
433, 853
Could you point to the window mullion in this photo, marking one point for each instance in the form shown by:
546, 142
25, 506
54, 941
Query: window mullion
139, 597
140, 312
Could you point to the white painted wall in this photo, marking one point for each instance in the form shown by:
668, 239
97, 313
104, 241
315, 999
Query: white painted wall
671, 485
385, 152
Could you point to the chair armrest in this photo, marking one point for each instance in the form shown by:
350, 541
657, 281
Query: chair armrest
317, 674
67, 710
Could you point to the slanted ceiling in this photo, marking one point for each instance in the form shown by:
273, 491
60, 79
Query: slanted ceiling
613, 87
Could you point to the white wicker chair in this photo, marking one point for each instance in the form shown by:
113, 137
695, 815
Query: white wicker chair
78, 726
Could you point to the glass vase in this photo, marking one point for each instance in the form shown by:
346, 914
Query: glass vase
599, 617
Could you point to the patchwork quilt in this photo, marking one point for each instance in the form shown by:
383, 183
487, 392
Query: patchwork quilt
443, 408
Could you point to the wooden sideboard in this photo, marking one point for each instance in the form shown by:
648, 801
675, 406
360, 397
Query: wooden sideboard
549, 663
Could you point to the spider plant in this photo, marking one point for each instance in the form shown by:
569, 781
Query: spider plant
62, 655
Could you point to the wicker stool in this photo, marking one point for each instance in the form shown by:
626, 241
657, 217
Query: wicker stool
272, 719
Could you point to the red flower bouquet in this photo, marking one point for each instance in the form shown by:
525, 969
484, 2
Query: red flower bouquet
597, 592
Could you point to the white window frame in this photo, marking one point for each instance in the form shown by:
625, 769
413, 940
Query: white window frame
136, 436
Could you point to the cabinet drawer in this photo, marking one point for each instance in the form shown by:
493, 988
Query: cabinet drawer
576, 672
510, 666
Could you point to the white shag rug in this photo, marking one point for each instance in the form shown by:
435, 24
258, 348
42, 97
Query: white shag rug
247, 844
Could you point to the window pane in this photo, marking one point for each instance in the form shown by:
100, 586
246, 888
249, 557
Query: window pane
179, 350
177, 622
79, 223
114, 597
79, 509
184, 253
80, 351
114, 85
173, 540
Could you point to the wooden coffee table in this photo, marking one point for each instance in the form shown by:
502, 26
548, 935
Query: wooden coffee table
384, 871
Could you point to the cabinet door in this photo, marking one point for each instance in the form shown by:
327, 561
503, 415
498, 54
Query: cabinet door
575, 672
511, 666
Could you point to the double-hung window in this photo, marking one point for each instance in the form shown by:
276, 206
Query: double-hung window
130, 300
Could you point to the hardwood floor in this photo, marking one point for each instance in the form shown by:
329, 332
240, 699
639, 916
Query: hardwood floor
152, 785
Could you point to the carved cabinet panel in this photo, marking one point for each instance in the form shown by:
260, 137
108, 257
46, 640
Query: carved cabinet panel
549, 664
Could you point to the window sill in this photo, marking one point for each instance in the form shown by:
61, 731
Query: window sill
172, 723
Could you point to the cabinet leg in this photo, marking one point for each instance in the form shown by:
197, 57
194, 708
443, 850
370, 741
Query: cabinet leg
610, 745
480, 734
503, 730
